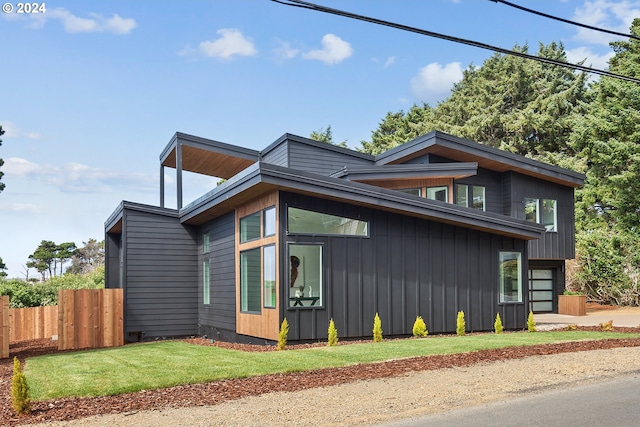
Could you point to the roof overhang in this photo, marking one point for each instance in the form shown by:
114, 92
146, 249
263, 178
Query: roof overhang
407, 171
113, 224
207, 157
464, 150
262, 177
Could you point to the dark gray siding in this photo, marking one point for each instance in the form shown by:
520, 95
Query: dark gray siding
407, 267
278, 155
161, 275
112, 260
218, 319
558, 245
314, 159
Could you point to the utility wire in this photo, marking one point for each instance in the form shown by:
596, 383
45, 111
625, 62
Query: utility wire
535, 12
320, 8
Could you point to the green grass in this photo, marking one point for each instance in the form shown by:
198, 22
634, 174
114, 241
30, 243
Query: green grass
163, 364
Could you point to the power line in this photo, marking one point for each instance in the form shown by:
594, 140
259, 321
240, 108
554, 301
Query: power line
320, 8
535, 12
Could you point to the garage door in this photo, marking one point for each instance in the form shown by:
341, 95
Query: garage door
541, 290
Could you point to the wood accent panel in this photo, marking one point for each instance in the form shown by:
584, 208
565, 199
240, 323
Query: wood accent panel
265, 324
4, 327
33, 323
573, 305
90, 318
208, 162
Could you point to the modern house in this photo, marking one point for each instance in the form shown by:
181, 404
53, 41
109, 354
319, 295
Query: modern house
308, 231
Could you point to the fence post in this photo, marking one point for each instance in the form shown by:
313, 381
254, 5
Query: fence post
4, 327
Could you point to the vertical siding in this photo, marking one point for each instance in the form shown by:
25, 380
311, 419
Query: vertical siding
492, 181
112, 260
558, 245
218, 319
161, 274
314, 159
407, 267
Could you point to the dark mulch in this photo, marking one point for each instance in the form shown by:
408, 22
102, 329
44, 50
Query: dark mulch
221, 391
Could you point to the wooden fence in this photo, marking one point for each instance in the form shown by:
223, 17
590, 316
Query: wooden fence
86, 318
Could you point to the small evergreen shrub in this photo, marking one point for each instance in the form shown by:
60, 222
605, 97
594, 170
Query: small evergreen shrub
607, 326
333, 334
497, 326
460, 323
420, 328
572, 327
284, 331
19, 390
377, 329
531, 324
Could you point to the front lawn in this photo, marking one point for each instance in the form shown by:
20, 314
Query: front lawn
148, 366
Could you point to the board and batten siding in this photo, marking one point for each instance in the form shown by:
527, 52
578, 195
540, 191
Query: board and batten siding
492, 183
218, 319
407, 267
552, 245
160, 276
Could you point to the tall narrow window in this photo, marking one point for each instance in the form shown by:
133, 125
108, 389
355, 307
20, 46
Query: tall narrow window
531, 210
479, 197
462, 195
250, 227
250, 273
269, 221
440, 193
269, 275
205, 243
549, 218
206, 281
510, 273
305, 275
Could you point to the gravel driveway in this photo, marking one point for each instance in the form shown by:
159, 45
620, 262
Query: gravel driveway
373, 401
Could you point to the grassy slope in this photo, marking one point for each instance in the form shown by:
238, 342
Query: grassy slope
164, 364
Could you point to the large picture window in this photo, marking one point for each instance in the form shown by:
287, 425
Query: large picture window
510, 273
305, 275
310, 222
250, 279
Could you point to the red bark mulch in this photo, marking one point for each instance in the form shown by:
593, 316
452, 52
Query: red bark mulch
221, 391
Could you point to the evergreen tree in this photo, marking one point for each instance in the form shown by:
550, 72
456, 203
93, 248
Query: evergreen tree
326, 135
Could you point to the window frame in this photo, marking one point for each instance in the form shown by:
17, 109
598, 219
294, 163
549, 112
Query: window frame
320, 291
206, 282
244, 238
312, 233
502, 258
440, 188
206, 243
244, 286
539, 204
274, 294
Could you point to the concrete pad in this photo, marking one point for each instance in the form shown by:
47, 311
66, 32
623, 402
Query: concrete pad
623, 316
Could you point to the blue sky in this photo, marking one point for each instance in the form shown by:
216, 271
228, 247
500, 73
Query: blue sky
93, 91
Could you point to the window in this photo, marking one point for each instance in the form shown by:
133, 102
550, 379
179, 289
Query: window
414, 191
305, 275
310, 222
269, 275
462, 195
206, 247
473, 193
250, 227
542, 211
269, 222
206, 280
438, 193
510, 273
250, 281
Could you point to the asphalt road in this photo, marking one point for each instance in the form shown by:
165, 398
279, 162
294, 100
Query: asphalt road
611, 403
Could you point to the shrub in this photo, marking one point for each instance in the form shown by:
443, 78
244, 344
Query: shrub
607, 326
377, 329
284, 331
19, 390
420, 328
531, 324
460, 323
497, 326
333, 334
572, 327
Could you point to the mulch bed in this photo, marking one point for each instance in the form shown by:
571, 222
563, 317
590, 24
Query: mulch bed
221, 391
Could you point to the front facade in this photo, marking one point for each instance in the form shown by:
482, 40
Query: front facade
308, 231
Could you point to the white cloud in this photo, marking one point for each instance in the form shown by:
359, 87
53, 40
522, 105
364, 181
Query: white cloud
434, 81
231, 43
612, 15
22, 208
591, 59
95, 23
390, 61
334, 50
78, 178
12, 131
285, 51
